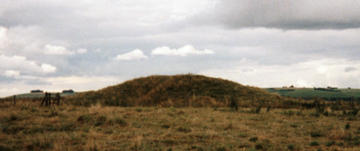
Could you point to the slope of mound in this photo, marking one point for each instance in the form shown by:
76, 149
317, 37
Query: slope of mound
177, 90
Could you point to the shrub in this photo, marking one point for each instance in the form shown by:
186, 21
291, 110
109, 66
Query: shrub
316, 114
229, 126
253, 139
293, 125
169, 142
347, 126
34, 110
184, 129
354, 111
320, 108
121, 122
357, 143
291, 147
23, 107
352, 118
86, 129
348, 137
109, 131
37, 145
66, 127
165, 126
138, 109
335, 107
326, 113
259, 146
7, 129
315, 134
263, 145
13, 117
328, 144
4, 148
314, 143
101, 120
53, 113
289, 113
99, 123
221, 149
85, 118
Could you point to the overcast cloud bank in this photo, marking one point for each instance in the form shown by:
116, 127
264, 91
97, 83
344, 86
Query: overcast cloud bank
284, 14
87, 45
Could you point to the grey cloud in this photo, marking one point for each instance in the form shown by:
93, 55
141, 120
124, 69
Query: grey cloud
283, 14
36, 82
349, 69
119, 27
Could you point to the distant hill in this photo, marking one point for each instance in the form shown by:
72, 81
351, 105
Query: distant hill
177, 90
310, 93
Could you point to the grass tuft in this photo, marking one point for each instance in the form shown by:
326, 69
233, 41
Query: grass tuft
314, 143
184, 129
253, 139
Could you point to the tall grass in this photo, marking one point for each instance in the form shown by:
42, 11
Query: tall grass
27, 126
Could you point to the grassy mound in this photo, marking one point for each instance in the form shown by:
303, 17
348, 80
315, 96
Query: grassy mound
178, 90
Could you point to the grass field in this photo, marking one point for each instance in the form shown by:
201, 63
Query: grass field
311, 93
182, 112
27, 126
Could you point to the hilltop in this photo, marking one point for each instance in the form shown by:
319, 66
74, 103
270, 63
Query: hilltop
176, 90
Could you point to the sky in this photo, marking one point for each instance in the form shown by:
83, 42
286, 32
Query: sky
91, 44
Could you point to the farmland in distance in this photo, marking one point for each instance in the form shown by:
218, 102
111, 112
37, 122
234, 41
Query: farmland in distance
311, 93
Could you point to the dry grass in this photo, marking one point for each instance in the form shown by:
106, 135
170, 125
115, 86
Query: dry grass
177, 90
30, 127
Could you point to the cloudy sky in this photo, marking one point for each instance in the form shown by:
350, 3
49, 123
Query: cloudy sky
90, 44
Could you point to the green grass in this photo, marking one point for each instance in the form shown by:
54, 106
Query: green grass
311, 93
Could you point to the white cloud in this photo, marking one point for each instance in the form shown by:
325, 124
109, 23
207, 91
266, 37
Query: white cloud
3, 38
57, 84
70, 80
81, 51
183, 51
57, 50
8, 91
314, 73
136, 54
21, 64
12, 74
48, 68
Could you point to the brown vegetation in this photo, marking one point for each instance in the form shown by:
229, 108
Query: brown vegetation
27, 126
178, 91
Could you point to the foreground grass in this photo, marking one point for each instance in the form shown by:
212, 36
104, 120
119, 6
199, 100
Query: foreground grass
28, 127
